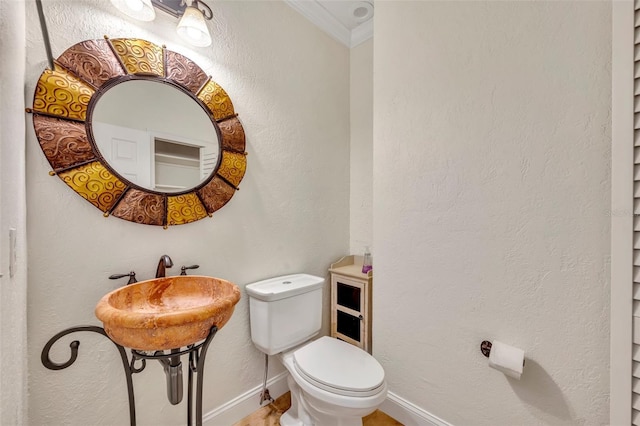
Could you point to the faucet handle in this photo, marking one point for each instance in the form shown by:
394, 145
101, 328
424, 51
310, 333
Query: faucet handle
183, 270
131, 275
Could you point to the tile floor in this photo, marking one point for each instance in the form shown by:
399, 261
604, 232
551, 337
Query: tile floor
269, 415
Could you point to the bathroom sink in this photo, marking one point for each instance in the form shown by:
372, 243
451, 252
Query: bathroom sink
167, 313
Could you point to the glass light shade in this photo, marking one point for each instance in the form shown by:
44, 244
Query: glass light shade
141, 10
193, 28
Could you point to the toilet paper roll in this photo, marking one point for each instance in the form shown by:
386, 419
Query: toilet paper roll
507, 359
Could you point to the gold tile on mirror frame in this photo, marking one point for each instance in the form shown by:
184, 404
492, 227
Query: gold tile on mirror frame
139, 56
217, 100
62, 94
233, 167
183, 209
94, 183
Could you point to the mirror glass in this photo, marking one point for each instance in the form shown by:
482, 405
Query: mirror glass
155, 136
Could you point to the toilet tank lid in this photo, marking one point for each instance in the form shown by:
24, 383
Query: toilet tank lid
282, 287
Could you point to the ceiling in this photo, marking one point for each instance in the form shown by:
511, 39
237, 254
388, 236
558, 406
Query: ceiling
348, 21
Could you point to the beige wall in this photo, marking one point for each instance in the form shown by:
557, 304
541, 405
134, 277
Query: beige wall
491, 190
622, 217
13, 289
290, 84
361, 159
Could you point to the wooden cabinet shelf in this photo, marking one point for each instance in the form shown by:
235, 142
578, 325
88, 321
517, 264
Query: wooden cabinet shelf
351, 302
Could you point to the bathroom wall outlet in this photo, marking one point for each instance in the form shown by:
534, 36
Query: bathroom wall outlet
12, 252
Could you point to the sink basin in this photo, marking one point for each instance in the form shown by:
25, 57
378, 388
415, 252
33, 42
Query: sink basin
167, 313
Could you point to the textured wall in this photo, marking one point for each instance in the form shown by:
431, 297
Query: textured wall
491, 187
13, 290
361, 160
290, 84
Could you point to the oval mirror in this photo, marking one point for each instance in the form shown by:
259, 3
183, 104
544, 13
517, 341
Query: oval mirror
155, 136
139, 131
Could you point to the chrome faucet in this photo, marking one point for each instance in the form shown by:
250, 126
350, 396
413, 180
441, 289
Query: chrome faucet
165, 262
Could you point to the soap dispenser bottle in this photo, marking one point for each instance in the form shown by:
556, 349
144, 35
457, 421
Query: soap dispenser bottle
366, 261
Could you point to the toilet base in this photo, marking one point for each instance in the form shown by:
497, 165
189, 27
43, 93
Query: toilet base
288, 420
314, 406
297, 414
306, 410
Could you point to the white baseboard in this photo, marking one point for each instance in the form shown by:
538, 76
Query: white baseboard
408, 413
241, 406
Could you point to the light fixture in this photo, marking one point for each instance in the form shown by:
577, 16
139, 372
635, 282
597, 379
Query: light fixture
192, 26
137, 9
192, 15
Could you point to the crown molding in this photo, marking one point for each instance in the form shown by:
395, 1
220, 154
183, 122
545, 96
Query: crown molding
362, 33
314, 12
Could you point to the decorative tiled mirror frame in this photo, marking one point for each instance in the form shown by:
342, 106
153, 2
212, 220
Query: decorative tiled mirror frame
62, 111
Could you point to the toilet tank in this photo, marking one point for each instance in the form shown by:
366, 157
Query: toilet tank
284, 311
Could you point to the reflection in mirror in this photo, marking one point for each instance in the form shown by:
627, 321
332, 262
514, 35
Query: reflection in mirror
155, 136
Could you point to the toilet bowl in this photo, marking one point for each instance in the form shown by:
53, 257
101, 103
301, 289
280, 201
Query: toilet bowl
332, 383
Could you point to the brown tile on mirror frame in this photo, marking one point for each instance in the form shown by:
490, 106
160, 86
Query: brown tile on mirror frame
269, 415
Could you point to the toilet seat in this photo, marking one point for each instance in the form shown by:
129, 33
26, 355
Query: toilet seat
338, 367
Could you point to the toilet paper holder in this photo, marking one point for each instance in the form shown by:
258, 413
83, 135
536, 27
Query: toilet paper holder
485, 348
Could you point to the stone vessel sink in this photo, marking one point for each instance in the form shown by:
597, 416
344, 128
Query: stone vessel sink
167, 313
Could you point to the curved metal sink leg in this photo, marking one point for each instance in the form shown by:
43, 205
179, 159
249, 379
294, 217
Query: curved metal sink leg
200, 358
48, 363
197, 356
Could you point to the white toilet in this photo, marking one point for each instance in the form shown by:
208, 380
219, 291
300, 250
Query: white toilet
332, 383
